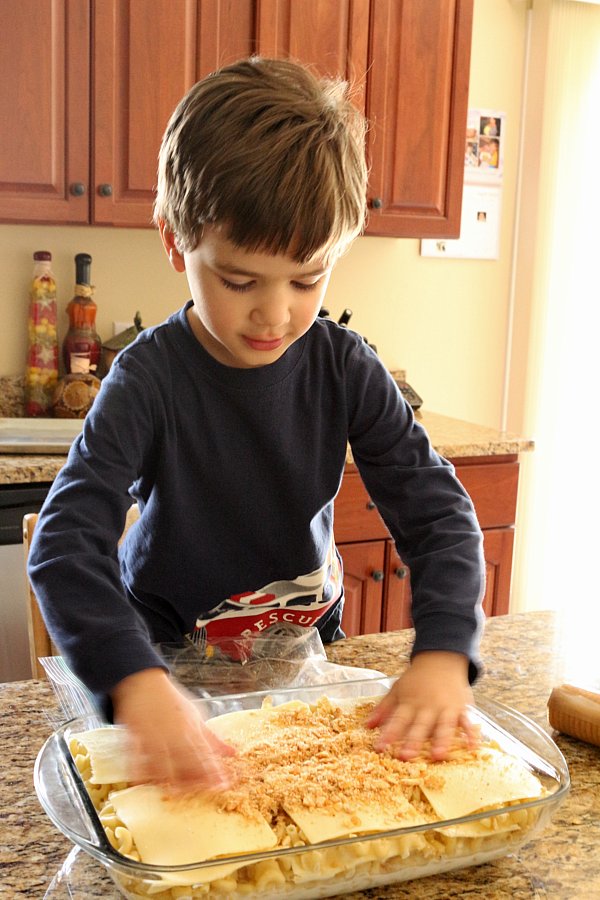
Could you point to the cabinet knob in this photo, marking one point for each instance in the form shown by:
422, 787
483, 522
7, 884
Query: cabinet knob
105, 190
377, 575
77, 188
401, 572
376, 203
370, 504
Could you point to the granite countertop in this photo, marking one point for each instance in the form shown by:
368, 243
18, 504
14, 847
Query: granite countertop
452, 438
525, 655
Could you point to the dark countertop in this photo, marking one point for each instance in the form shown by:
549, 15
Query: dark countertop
525, 656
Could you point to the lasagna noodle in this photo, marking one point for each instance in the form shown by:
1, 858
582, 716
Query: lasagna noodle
361, 818
246, 727
491, 779
170, 831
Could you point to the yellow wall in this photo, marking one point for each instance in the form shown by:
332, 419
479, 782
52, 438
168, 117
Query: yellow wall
443, 320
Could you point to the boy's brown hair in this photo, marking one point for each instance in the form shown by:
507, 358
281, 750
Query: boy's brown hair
272, 153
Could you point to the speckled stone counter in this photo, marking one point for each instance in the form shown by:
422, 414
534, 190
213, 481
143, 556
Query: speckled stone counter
455, 438
29, 469
525, 656
452, 438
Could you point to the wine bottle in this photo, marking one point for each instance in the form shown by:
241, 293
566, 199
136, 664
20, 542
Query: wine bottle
82, 345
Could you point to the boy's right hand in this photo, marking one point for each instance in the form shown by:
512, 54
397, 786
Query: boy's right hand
170, 742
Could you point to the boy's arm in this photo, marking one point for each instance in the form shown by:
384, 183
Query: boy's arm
435, 528
73, 561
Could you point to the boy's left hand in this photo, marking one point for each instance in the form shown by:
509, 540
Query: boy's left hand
428, 702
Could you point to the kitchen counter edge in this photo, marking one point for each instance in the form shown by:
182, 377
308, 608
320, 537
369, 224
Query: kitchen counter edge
452, 438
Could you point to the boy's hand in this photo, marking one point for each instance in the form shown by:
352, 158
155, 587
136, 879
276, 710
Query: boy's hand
428, 702
170, 742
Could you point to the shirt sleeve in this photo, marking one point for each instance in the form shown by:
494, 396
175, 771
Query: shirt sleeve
426, 509
73, 562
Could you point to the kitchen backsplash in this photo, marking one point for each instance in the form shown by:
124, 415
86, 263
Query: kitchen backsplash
12, 396
12, 393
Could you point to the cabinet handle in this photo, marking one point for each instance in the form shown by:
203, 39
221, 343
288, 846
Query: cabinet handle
370, 504
77, 188
105, 190
376, 203
401, 572
377, 575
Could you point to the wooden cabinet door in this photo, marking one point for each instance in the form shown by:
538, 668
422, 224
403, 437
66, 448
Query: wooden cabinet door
355, 515
363, 586
147, 54
44, 111
492, 487
331, 35
498, 551
417, 94
397, 594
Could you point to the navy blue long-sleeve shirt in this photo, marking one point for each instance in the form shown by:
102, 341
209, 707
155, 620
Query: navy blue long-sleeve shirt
235, 472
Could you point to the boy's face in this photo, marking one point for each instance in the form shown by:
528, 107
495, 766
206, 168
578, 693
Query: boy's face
249, 306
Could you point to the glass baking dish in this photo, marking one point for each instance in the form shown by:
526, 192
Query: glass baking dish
362, 861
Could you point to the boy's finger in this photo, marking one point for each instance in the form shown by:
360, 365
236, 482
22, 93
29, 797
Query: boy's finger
206, 774
418, 731
382, 711
442, 736
219, 746
395, 727
471, 729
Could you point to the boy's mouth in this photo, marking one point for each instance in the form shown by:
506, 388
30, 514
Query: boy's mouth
262, 344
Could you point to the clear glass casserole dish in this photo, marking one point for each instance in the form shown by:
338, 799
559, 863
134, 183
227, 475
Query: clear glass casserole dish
329, 867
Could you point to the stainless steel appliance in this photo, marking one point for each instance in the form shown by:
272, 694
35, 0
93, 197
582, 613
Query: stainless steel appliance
15, 501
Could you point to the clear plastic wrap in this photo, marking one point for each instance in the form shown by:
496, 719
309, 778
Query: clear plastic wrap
282, 656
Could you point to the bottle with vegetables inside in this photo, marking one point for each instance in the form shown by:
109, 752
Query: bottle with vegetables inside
42, 356
82, 345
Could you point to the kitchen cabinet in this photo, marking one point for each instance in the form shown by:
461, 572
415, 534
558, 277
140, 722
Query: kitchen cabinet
84, 120
374, 573
44, 110
363, 587
97, 83
417, 97
410, 63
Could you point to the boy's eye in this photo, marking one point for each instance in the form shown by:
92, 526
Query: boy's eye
236, 286
304, 286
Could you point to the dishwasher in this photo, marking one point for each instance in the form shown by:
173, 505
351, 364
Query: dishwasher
15, 501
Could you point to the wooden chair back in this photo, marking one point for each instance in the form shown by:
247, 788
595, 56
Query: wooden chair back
40, 643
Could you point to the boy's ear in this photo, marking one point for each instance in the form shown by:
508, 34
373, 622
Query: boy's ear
170, 244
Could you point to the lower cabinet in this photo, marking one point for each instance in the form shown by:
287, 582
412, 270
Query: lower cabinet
377, 581
364, 574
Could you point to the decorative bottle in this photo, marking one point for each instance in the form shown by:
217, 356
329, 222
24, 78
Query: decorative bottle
82, 345
41, 372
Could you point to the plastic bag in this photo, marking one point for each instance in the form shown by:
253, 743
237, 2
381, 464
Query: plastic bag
282, 656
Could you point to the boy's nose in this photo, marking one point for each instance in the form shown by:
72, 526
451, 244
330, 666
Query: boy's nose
271, 312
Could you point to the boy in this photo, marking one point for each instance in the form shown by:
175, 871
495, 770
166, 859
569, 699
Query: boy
228, 424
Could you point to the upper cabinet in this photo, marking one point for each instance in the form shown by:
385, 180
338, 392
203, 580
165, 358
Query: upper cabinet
92, 85
146, 55
417, 96
44, 110
409, 60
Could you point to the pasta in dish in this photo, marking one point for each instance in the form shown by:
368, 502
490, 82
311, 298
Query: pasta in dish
304, 775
